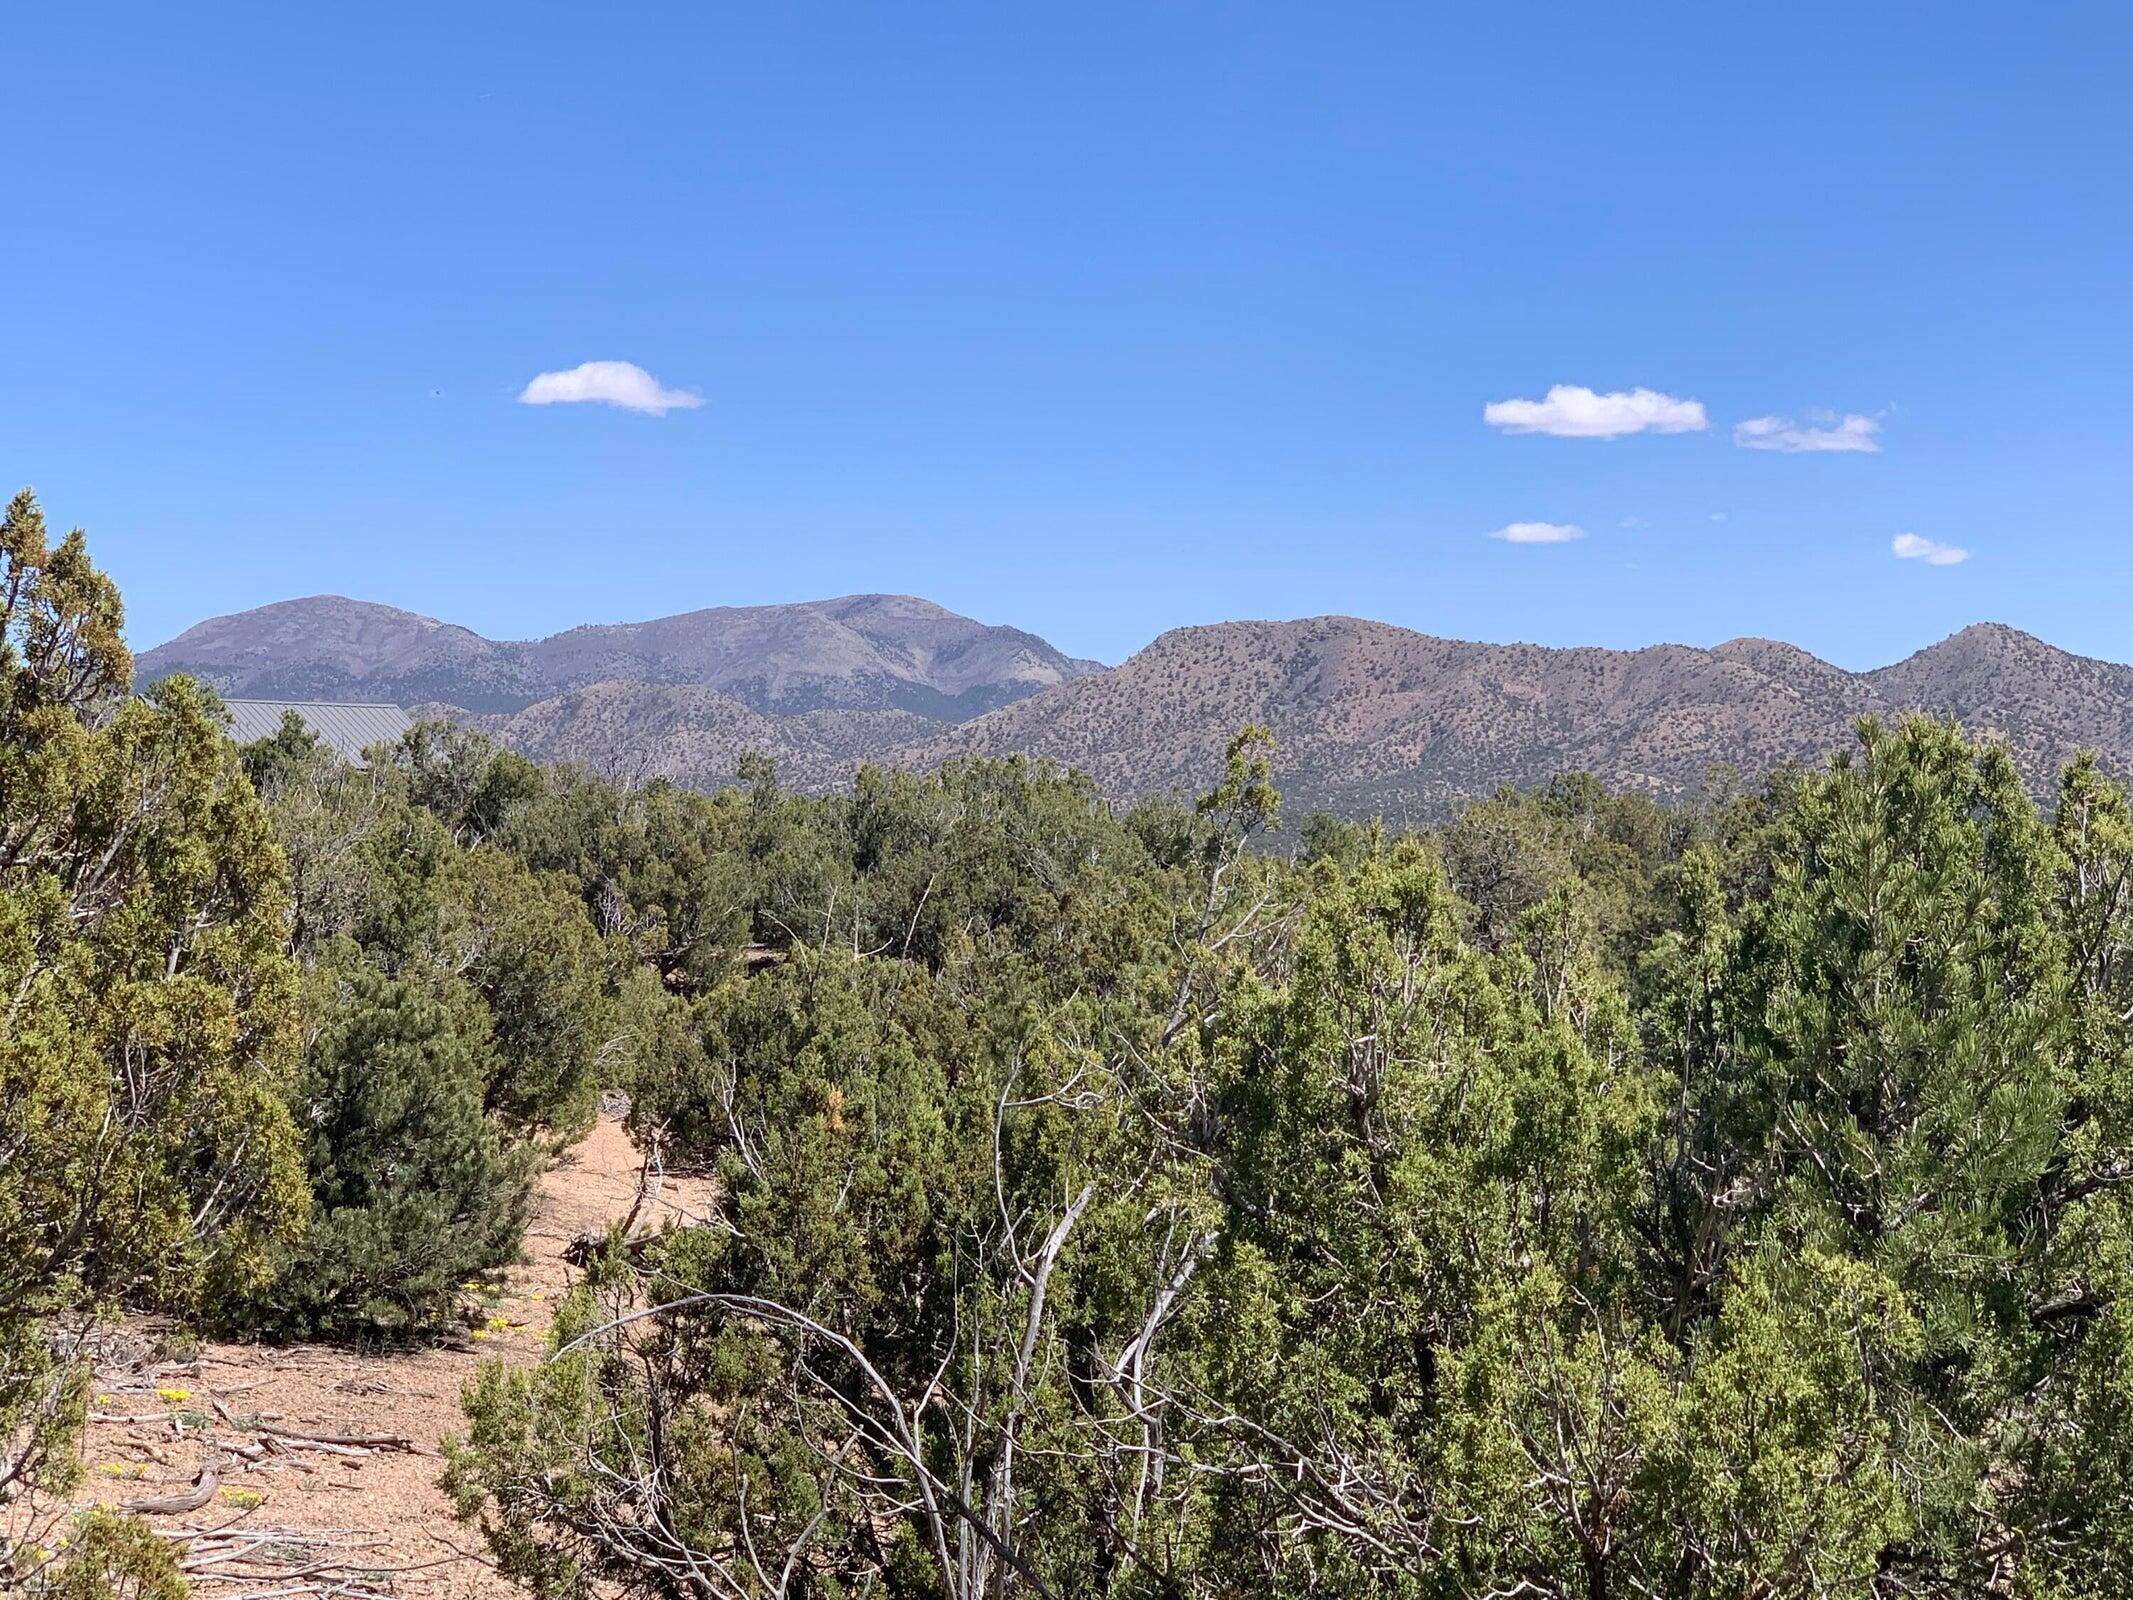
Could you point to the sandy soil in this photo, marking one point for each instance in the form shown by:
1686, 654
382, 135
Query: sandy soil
378, 1512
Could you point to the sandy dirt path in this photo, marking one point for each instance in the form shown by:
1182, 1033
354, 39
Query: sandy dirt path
378, 1512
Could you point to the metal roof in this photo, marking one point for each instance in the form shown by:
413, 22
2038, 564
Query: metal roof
348, 729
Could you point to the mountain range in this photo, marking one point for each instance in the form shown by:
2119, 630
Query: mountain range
1369, 718
863, 652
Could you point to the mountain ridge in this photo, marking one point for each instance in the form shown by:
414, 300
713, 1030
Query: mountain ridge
858, 652
1368, 716
1371, 717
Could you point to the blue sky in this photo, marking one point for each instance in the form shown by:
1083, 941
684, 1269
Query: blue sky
1095, 319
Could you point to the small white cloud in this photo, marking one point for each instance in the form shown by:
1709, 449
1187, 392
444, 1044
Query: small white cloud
1823, 431
1718, 516
1538, 532
1630, 522
608, 383
1913, 547
1574, 412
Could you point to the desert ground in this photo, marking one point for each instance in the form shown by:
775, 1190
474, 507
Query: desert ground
319, 1465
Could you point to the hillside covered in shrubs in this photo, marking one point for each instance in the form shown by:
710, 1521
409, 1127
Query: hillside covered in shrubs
1587, 1198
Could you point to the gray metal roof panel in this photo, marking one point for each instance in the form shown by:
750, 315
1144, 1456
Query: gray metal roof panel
348, 730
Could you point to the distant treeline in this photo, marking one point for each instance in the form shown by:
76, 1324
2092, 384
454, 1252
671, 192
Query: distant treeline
1584, 1199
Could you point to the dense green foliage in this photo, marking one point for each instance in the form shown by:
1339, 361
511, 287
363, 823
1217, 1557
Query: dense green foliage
1583, 1200
282, 1040
147, 1018
455, 1009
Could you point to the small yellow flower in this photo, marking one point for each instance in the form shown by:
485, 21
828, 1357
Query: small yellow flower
244, 1497
174, 1396
479, 1333
105, 1399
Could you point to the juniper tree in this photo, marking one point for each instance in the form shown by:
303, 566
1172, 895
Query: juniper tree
457, 1011
415, 1189
147, 1006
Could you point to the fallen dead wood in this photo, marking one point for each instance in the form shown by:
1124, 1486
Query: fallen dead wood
245, 1528
279, 1564
323, 1446
353, 1441
293, 1487
202, 1491
340, 1443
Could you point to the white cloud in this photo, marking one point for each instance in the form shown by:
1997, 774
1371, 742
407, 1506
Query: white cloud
608, 383
1574, 412
1719, 516
1823, 431
1538, 533
1913, 547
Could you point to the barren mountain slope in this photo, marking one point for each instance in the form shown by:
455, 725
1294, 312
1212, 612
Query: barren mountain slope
1373, 717
861, 652
696, 736
330, 648
2046, 703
